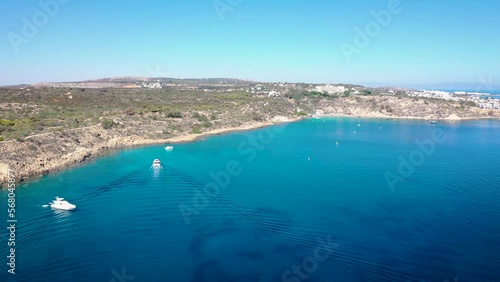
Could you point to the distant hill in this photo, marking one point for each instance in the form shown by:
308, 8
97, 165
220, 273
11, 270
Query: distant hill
126, 79
131, 79
485, 85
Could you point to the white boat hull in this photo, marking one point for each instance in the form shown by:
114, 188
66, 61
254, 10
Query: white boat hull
61, 204
156, 164
65, 208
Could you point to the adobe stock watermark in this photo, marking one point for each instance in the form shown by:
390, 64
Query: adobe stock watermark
310, 264
223, 6
11, 221
486, 83
372, 29
407, 166
221, 179
121, 277
31, 26
157, 71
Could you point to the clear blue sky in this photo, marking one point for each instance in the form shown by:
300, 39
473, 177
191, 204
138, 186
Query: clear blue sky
429, 41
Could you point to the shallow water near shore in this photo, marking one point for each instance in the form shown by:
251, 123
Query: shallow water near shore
312, 194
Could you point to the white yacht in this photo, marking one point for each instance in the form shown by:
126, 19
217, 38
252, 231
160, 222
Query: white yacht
61, 204
169, 148
156, 164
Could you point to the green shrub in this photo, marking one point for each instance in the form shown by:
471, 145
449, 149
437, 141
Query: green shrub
196, 130
200, 117
257, 117
107, 123
1, 139
207, 124
174, 114
470, 104
6, 122
157, 110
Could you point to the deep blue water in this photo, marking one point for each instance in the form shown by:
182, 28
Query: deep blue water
295, 198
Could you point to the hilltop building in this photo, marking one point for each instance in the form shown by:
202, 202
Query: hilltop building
331, 89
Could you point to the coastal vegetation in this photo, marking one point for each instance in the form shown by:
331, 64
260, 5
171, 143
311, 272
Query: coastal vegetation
107, 123
45, 128
26, 112
139, 111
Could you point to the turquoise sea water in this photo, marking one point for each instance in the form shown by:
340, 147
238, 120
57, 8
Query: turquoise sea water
289, 204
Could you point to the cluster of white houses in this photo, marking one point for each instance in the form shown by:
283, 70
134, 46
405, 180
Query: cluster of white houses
153, 85
484, 103
482, 100
335, 89
489, 103
331, 89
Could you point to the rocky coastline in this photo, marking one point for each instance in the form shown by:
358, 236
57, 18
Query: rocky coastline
45, 153
52, 151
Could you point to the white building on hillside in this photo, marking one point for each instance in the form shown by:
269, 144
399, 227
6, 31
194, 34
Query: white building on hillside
331, 89
273, 93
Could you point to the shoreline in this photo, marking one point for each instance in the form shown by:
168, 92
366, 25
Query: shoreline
192, 137
220, 131
451, 117
80, 156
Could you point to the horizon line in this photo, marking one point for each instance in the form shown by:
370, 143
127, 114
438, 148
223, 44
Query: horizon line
423, 86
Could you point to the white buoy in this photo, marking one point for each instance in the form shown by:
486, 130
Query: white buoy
337, 143
354, 131
308, 159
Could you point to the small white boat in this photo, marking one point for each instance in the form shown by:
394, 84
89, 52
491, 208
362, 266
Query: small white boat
61, 204
169, 148
156, 164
